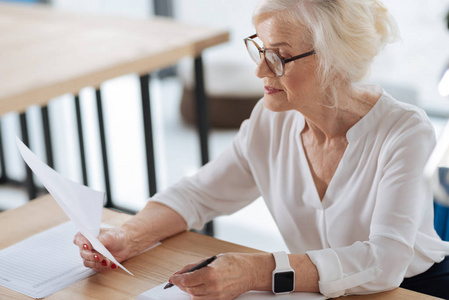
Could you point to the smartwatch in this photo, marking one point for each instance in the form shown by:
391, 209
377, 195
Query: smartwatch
283, 275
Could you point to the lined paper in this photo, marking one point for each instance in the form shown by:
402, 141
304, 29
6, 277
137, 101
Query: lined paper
43, 263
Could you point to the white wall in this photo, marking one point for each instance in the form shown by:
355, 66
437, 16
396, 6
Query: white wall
417, 61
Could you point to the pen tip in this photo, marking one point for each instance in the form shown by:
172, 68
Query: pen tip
168, 285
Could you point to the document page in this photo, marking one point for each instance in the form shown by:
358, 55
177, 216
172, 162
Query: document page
49, 261
83, 205
174, 293
43, 263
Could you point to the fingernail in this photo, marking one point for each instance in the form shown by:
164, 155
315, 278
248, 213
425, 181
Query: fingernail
104, 263
97, 258
113, 266
85, 247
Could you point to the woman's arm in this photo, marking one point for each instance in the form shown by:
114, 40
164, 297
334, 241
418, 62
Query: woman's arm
221, 187
233, 274
151, 225
154, 223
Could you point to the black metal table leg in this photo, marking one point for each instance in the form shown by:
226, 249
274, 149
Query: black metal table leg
31, 188
104, 153
47, 136
81, 139
202, 110
3, 177
148, 131
202, 117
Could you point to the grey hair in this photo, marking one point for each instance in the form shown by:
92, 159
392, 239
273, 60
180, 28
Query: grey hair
345, 34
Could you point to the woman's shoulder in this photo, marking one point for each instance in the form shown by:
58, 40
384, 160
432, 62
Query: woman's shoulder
401, 121
390, 118
402, 111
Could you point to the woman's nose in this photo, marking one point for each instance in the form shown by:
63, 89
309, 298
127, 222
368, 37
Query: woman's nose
263, 70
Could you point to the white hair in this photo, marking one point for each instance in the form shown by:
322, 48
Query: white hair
345, 34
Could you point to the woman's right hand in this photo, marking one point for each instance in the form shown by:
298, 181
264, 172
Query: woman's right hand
116, 240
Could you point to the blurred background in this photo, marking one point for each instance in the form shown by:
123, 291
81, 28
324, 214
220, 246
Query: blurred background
410, 70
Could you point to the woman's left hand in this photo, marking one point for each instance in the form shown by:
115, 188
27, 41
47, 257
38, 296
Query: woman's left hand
227, 277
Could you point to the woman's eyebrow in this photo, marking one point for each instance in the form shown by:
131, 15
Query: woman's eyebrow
280, 44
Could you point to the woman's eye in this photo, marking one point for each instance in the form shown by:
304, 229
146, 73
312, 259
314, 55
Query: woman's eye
284, 55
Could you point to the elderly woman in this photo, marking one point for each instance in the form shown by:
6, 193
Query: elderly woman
339, 165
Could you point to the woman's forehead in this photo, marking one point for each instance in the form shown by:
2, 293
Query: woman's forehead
276, 31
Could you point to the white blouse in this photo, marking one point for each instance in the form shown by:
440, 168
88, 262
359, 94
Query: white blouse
374, 225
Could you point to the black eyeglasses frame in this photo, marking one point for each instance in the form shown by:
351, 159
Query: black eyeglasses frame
283, 60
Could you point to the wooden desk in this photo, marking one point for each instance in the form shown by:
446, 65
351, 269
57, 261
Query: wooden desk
45, 53
150, 269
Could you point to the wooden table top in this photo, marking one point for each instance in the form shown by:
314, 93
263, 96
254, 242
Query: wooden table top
45, 53
150, 269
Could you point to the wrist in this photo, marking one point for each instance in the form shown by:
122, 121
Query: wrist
133, 240
261, 275
283, 279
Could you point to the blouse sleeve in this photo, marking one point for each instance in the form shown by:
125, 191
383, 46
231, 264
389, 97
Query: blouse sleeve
220, 187
380, 263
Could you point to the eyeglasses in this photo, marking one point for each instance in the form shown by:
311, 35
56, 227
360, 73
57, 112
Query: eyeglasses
273, 59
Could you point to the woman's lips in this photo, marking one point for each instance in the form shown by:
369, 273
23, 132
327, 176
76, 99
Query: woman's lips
271, 90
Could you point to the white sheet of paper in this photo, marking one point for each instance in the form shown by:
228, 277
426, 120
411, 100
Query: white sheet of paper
83, 205
174, 293
29, 267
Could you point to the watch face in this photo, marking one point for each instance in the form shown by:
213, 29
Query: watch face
284, 282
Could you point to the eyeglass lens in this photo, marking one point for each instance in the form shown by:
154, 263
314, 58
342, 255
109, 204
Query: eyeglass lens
273, 60
253, 51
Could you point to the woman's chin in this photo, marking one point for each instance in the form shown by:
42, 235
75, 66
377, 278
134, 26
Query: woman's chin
275, 105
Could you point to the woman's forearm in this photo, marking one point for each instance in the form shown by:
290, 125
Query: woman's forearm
154, 223
306, 274
233, 274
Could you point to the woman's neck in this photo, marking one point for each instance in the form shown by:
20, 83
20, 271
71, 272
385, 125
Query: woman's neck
325, 122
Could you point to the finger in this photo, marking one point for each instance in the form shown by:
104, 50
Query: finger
86, 250
197, 290
82, 242
191, 279
92, 264
100, 266
107, 264
193, 291
96, 266
208, 288
91, 255
186, 268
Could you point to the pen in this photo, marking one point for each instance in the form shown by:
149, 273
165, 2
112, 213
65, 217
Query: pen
197, 267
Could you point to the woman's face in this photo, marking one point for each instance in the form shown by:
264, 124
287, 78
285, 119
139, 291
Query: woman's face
298, 88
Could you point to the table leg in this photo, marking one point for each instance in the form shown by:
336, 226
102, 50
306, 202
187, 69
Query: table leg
31, 188
109, 202
202, 117
148, 131
79, 123
3, 177
202, 112
47, 136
